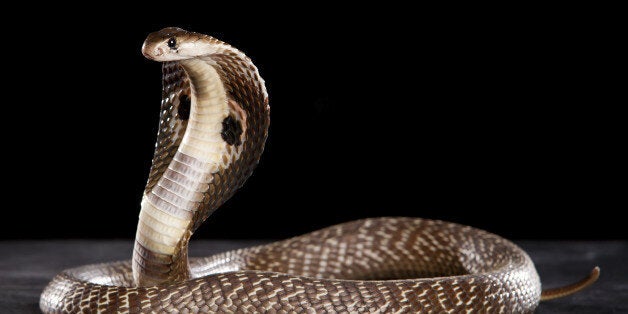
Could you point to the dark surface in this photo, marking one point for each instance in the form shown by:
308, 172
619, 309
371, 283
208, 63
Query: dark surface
26, 267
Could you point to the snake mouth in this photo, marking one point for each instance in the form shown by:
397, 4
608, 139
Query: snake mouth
150, 51
159, 52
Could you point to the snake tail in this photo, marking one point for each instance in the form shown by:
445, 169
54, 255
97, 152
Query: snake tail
213, 126
555, 293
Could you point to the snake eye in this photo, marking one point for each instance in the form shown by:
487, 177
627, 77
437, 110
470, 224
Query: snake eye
172, 43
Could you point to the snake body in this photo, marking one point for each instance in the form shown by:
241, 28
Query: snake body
213, 127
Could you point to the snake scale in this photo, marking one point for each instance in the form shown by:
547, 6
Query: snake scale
212, 131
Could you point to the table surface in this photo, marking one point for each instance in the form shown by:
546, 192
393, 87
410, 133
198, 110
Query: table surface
27, 266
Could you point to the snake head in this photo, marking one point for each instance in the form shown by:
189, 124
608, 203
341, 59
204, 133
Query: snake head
173, 44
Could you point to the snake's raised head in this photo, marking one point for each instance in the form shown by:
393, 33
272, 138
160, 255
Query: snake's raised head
173, 43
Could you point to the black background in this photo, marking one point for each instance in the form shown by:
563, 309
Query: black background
505, 123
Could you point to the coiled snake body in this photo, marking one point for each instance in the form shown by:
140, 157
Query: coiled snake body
213, 127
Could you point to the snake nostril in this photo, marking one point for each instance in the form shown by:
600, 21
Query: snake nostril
159, 52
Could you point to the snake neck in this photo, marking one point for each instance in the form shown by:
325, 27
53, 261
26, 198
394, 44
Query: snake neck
218, 151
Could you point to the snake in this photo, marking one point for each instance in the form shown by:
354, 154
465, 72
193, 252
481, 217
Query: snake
213, 126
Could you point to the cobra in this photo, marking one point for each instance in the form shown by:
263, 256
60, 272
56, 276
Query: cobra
212, 130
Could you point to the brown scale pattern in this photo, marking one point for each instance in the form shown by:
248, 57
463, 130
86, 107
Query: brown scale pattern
339, 269
169, 135
246, 92
403, 265
227, 180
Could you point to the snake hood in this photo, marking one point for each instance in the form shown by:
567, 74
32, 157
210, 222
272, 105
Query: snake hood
214, 122
174, 44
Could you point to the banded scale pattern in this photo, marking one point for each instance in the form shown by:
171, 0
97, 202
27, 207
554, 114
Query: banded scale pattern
221, 144
173, 119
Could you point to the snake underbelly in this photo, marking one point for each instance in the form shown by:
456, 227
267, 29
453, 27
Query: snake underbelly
214, 122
